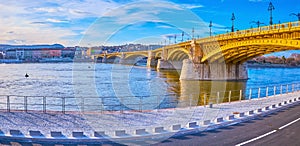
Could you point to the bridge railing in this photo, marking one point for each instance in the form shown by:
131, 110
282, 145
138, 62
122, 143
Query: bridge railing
46, 104
264, 29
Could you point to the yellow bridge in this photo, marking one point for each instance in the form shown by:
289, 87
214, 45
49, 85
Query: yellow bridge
219, 57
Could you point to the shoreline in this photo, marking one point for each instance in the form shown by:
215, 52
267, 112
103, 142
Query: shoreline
270, 66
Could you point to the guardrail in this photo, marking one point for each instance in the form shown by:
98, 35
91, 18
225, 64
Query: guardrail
101, 104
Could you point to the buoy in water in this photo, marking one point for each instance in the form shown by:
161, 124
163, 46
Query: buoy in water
26, 75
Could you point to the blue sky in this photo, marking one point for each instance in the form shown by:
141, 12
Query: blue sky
114, 22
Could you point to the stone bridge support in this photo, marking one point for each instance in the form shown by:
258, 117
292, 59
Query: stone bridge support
214, 71
151, 60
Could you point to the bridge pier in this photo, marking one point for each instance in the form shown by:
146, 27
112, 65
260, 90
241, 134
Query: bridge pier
151, 62
169, 65
215, 71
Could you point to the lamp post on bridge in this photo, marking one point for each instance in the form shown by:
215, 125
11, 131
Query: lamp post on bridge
297, 15
193, 32
271, 8
210, 25
232, 19
175, 39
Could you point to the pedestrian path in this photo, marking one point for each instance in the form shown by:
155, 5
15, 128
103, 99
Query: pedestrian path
129, 124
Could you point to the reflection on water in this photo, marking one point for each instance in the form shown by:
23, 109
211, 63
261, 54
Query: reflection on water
192, 93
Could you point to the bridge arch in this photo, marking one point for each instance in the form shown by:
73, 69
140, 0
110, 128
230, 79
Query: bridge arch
178, 54
134, 56
242, 51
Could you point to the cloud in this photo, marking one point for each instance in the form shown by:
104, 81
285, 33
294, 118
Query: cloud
189, 6
57, 21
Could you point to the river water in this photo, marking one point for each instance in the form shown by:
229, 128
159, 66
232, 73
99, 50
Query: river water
118, 87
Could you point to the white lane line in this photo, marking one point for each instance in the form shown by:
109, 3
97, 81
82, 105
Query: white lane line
289, 124
259, 137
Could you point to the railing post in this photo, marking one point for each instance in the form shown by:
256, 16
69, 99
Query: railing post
218, 97
229, 96
8, 104
280, 89
250, 94
267, 91
44, 104
63, 108
293, 88
287, 88
204, 100
240, 95
258, 93
25, 104
274, 91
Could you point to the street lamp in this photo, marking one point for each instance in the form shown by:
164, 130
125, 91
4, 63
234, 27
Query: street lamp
193, 31
210, 25
297, 15
232, 19
271, 8
182, 34
257, 23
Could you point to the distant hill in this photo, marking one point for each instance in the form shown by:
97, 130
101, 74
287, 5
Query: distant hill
5, 47
285, 53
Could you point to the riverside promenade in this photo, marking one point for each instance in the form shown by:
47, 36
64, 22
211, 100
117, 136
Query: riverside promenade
130, 126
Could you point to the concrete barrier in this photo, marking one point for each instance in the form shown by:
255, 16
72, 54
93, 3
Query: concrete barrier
231, 117
250, 112
120, 133
218, 120
35, 133
78, 134
159, 129
15, 132
192, 125
266, 108
206, 122
290, 101
279, 104
258, 110
241, 115
140, 132
285, 102
56, 134
295, 99
176, 127
99, 133
274, 106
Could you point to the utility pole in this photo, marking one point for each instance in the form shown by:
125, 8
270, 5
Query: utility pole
271, 8
232, 19
297, 15
210, 25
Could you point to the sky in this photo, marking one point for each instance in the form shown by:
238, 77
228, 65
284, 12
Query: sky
117, 22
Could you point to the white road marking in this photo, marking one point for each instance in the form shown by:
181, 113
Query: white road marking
271, 132
259, 137
289, 124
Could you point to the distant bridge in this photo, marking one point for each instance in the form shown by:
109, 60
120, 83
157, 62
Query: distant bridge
219, 57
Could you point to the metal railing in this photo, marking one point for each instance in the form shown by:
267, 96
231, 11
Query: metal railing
102, 104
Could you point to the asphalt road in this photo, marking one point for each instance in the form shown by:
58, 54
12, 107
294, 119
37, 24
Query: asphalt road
268, 130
